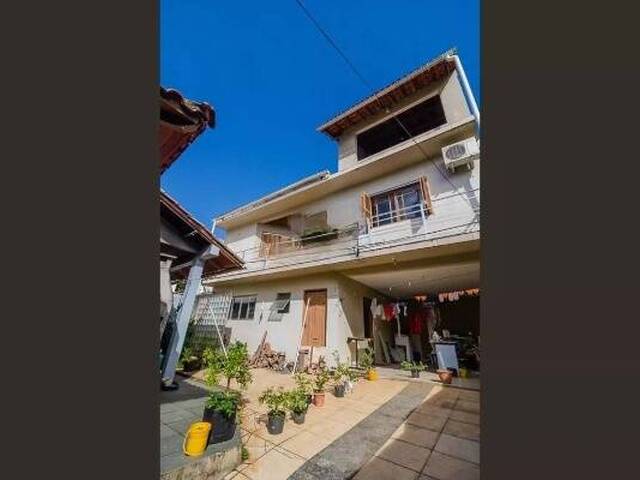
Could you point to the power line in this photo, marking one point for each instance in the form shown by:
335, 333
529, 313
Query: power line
361, 77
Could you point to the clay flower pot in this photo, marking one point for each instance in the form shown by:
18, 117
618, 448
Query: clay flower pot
445, 376
318, 399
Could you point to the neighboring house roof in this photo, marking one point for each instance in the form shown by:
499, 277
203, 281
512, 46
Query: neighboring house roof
194, 232
181, 122
390, 95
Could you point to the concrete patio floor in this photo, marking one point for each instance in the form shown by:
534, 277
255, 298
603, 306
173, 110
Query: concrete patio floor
388, 429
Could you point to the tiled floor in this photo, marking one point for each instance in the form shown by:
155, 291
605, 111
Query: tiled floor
438, 439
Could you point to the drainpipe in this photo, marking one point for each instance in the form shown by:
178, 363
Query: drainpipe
467, 89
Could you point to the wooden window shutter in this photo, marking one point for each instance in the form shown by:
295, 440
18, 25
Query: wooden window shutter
426, 195
365, 206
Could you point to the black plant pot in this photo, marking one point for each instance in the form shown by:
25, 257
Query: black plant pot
298, 417
339, 390
223, 428
415, 373
275, 424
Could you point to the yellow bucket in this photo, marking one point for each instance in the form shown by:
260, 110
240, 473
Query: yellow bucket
372, 375
195, 440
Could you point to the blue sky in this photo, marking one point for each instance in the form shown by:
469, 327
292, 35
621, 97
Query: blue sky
273, 79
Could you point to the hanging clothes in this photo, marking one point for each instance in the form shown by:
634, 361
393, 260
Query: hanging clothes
417, 321
374, 308
389, 311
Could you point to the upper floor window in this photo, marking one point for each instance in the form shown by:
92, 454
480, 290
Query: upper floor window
421, 118
396, 205
401, 203
243, 308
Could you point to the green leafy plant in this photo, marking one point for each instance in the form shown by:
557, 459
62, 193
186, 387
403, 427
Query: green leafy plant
276, 401
304, 383
366, 359
297, 400
224, 401
233, 366
342, 372
320, 380
412, 366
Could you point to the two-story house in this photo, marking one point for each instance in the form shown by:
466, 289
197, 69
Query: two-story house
397, 224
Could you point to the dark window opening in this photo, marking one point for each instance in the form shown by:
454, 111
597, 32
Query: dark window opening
419, 119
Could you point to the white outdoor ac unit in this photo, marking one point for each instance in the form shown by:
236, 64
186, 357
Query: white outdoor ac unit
461, 153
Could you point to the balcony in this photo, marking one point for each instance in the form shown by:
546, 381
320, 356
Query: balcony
402, 229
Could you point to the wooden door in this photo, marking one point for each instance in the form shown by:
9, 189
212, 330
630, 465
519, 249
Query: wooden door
315, 328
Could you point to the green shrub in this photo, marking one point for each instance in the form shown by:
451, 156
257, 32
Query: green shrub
412, 366
320, 380
304, 383
297, 400
275, 400
366, 359
234, 366
224, 401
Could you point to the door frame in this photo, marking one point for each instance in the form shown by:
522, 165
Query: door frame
326, 309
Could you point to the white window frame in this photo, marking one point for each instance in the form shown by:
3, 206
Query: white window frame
242, 300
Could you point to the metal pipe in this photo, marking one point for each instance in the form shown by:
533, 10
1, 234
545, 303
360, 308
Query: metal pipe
467, 89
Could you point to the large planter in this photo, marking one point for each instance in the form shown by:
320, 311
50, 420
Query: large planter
318, 399
445, 376
275, 423
415, 373
339, 390
298, 418
222, 429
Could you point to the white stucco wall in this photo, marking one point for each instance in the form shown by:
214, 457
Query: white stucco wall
452, 213
344, 314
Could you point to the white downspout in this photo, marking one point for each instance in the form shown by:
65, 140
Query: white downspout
467, 89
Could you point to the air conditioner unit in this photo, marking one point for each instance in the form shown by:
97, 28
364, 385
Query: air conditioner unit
461, 153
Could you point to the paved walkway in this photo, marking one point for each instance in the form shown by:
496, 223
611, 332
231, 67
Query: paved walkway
387, 429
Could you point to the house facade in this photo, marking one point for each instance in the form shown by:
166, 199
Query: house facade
398, 220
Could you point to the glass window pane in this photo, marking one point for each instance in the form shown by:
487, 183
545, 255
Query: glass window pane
243, 309
252, 308
235, 308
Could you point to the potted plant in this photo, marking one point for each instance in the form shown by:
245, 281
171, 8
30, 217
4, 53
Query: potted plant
413, 367
298, 404
445, 375
320, 380
341, 375
222, 405
305, 384
366, 362
276, 401
190, 361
